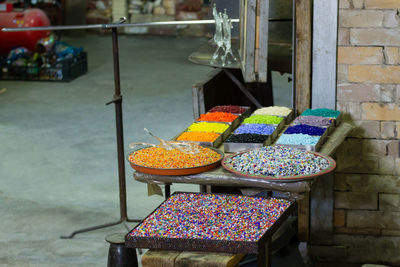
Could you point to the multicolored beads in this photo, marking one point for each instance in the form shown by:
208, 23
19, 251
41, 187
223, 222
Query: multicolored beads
212, 217
250, 128
323, 112
157, 157
264, 119
229, 109
277, 161
275, 110
218, 116
198, 136
208, 127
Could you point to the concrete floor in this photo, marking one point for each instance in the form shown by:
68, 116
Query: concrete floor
58, 167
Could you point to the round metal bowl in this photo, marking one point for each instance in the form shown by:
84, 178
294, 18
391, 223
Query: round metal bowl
177, 171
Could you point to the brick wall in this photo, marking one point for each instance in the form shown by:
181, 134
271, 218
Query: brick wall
367, 183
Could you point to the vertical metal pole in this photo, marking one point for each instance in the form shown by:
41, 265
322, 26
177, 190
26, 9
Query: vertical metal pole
119, 126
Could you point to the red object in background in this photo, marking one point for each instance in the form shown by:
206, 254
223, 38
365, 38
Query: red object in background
28, 18
7, 7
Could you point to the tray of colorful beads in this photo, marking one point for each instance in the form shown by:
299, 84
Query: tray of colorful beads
305, 137
307, 132
249, 136
222, 117
206, 133
334, 115
279, 163
242, 111
209, 139
211, 222
173, 158
286, 113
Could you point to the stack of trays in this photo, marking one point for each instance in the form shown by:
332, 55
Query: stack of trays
212, 128
260, 129
309, 131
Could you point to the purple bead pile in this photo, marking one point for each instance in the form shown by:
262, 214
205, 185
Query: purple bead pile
263, 129
313, 121
305, 129
212, 217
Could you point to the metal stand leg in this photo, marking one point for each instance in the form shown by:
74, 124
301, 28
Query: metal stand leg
117, 100
167, 190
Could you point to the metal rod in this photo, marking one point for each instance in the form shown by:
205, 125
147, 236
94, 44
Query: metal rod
117, 100
119, 127
118, 25
113, 25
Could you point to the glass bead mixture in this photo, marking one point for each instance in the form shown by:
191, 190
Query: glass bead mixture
277, 161
212, 217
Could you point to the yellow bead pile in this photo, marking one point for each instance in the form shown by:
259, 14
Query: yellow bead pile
208, 127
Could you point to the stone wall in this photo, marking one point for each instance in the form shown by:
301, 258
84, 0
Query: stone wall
367, 183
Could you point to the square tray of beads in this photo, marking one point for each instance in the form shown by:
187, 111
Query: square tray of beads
279, 163
201, 138
214, 127
221, 117
160, 161
286, 113
249, 136
317, 121
210, 222
304, 137
242, 111
232, 147
335, 115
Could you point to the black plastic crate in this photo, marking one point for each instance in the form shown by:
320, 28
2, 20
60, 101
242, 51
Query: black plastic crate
64, 71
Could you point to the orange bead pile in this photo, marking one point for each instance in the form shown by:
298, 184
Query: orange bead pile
157, 157
198, 136
217, 116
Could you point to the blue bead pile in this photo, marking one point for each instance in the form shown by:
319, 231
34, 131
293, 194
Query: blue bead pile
263, 129
305, 129
297, 139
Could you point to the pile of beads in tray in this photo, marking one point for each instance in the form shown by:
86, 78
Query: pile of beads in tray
210, 128
309, 129
174, 158
277, 162
263, 124
215, 217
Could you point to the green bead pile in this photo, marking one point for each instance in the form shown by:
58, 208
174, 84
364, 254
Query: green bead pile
323, 112
263, 119
208, 127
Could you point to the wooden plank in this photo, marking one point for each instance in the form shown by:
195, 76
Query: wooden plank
303, 55
159, 258
304, 218
207, 259
324, 54
321, 210
247, 51
263, 41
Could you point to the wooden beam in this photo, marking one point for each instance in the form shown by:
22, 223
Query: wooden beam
303, 213
303, 55
324, 54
